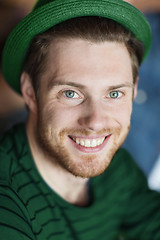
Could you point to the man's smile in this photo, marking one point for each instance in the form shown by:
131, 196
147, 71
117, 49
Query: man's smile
92, 144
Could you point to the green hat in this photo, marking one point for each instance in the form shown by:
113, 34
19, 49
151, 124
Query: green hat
48, 13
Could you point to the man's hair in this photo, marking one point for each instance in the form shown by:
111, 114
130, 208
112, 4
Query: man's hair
94, 29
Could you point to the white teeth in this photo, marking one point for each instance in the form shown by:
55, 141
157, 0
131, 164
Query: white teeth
82, 143
94, 143
89, 142
77, 141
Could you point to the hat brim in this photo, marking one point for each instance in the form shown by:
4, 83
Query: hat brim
52, 13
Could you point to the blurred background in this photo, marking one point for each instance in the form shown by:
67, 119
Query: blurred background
12, 108
143, 141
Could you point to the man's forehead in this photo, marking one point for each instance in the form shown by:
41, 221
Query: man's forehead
66, 49
86, 62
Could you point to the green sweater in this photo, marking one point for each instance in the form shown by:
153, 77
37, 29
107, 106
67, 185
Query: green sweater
119, 200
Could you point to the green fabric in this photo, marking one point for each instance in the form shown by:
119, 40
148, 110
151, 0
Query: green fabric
48, 13
29, 209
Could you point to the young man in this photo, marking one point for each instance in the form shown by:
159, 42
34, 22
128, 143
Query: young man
62, 174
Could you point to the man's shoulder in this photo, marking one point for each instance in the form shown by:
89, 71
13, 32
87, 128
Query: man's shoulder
12, 141
11, 150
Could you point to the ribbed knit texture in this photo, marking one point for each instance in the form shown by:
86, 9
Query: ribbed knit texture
29, 209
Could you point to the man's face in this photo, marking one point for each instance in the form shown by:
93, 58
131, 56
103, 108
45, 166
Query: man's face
85, 104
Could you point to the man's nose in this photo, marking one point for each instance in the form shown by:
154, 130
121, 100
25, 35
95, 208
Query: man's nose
93, 117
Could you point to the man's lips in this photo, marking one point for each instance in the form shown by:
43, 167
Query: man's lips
89, 144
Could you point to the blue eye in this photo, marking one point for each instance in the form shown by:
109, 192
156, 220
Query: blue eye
71, 94
115, 94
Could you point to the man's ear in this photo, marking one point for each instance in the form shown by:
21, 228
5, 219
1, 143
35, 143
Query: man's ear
28, 92
135, 88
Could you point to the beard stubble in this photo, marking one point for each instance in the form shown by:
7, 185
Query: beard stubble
85, 166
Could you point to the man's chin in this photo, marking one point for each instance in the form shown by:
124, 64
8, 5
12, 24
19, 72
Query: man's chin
87, 166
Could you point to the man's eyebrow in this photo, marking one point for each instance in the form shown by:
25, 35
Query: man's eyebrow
54, 83
130, 85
